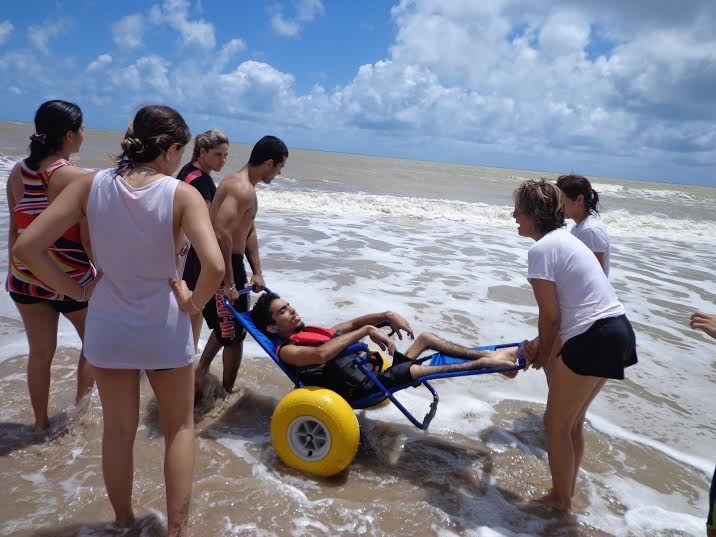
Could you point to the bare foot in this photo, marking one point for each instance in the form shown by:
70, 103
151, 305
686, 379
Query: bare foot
551, 501
508, 357
41, 426
508, 354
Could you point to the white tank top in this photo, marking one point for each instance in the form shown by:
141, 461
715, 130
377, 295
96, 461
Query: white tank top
133, 320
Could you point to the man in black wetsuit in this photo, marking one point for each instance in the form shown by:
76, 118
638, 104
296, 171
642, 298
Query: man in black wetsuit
318, 354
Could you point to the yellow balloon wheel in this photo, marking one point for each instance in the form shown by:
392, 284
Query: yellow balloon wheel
315, 430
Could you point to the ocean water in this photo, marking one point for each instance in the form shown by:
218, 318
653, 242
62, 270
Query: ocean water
343, 235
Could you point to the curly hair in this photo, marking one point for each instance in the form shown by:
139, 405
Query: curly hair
261, 312
543, 201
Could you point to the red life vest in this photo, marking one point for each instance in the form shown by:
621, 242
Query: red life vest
310, 336
313, 336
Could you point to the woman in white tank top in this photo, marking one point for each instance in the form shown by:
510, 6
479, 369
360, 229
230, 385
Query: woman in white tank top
138, 319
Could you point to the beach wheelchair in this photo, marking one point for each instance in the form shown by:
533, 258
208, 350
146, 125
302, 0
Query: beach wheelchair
315, 430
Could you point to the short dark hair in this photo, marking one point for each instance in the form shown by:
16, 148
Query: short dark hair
155, 129
261, 312
53, 120
573, 185
268, 148
543, 201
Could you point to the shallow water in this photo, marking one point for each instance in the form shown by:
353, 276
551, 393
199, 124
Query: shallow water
441, 249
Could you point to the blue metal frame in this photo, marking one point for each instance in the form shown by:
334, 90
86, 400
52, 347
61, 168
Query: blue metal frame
385, 393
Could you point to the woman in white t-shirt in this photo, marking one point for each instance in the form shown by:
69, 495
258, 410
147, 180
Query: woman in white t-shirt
584, 336
580, 204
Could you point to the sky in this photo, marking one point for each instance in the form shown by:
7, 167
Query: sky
598, 87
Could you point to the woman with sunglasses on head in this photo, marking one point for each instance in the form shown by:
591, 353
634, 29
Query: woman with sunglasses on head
140, 219
33, 183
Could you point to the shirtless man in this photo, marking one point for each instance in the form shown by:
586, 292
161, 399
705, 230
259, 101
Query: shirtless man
233, 212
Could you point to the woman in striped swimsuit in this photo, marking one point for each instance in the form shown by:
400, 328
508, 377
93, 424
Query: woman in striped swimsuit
32, 185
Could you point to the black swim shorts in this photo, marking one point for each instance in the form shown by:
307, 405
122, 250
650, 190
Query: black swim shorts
218, 317
192, 268
604, 350
347, 380
60, 306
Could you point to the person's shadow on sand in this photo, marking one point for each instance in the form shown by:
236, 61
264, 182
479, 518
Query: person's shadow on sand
146, 526
17, 436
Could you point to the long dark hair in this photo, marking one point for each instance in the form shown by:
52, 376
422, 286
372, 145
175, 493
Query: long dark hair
574, 185
154, 129
53, 120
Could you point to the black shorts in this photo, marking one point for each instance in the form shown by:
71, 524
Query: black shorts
347, 380
192, 268
605, 350
218, 317
60, 306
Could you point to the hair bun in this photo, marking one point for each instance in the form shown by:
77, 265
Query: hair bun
132, 146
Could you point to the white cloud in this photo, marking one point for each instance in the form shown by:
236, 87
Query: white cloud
6, 29
508, 82
128, 32
148, 75
286, 28
102, 61
49, 29
175, 13
227, 53
305, 11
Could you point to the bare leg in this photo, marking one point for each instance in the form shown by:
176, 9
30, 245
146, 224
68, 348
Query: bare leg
419, 370
426, 340
567, 398
175, 397
40, 322
232, 361
85, 378
578, 431
210, 351
119, 393
197, 322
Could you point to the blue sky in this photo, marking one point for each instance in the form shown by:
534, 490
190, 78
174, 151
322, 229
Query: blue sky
600, 87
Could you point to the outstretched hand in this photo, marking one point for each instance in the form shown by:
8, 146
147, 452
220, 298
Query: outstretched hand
705, 322
382, 340
398, 323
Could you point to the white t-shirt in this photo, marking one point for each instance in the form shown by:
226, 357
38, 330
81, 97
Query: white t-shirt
583, 290
592, 232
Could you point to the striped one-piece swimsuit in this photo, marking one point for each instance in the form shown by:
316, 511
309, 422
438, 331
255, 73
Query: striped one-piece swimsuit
66, 252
